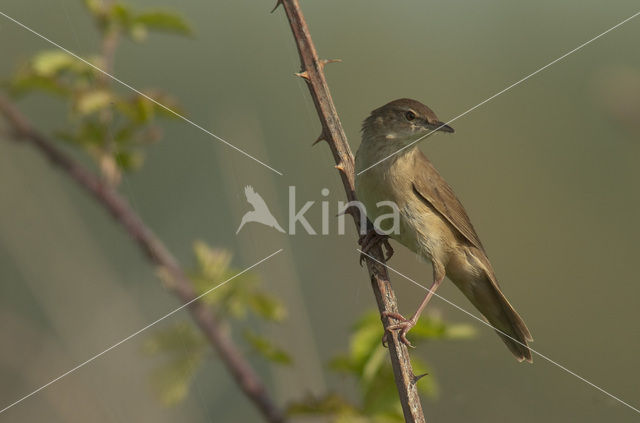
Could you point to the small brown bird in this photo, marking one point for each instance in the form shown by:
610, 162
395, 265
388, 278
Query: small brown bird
433, 223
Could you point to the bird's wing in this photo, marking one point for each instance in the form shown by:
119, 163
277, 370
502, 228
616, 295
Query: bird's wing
432, 189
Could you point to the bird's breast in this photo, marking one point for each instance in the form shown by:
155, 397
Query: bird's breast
420, 228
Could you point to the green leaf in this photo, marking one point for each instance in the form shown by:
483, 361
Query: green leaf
368, 363
182, 349
233, 299
342, 364
164, 21
128, 160
337, 409
23, 83
373, 365
51, 62
122, 14
432, 327
267, 349
380, 395
93, 101
267, 307
212, 263
460, 331
144, 109
177, 340
330, 404
171, 382
366, 338
90, 134
94, 6
138, 32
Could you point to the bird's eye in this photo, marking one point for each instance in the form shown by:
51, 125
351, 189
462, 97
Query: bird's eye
410, 115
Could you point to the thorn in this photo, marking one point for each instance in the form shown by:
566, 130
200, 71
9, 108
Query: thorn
323, 62
278, 3
320, 138
341, 168
304, 75
417, 378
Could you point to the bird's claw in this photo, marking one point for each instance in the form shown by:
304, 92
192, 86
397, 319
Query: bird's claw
372, 239
385, 339
403, 326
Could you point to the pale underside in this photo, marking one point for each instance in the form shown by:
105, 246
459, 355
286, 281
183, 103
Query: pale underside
434, 225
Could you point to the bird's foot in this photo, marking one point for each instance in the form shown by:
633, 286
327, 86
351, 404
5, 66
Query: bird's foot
403, 326
370, 240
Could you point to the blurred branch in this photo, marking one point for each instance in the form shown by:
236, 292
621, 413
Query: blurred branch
21, 130
332, 132
110, 40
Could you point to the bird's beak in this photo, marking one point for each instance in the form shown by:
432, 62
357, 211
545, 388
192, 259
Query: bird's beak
441, 126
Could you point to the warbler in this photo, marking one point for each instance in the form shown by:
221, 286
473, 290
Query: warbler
432, 221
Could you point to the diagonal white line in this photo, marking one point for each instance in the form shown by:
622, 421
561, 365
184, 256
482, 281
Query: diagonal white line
501, 332
504, 90
168, 109
117, 344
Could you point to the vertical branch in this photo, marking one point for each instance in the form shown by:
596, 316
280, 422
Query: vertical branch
332, 132
242, 372
110, 37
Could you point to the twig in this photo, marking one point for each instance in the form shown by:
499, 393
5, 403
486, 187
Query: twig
110, 39
332, 132
238, 366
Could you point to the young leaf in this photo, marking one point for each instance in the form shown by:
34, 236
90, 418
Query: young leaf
176, 340
138, 32
367, 362
25, 82
171, 382
92, 101
266, 348
182, 348
330, 404
267, 307
164, 21
51, 62
122, 14
94, 6
128, 160
432, 327
212, 263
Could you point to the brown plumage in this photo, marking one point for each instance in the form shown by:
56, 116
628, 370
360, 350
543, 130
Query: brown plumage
433, 222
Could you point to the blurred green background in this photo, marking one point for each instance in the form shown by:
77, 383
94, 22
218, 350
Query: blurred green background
548, 173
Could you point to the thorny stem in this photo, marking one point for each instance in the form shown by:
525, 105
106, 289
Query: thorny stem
332, 132
244, 375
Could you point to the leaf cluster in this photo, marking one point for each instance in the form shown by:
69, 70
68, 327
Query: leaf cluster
181, 349
117, 16
366, 362
112, 124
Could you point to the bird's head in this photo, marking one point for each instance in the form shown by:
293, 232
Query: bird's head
402, 121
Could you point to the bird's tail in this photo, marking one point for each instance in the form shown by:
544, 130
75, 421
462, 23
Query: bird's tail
491, 302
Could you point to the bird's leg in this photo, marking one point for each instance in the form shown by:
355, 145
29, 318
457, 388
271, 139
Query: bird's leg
372, 239
406, 324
